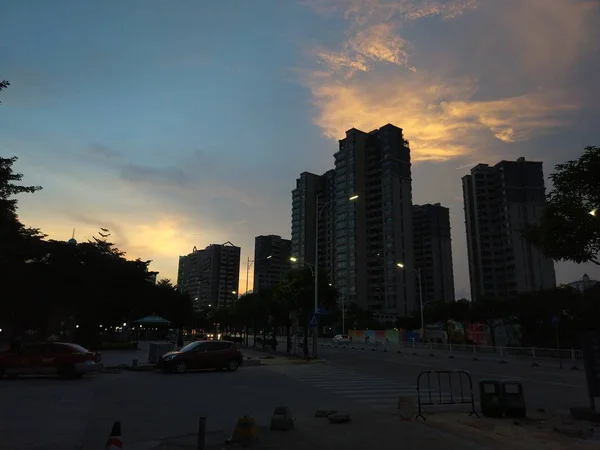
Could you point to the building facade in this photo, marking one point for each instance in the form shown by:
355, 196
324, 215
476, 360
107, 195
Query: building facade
314, 198
585, 283
499, 201
374, 234
365, 233
271, 261
433, 252
189, 273
211, 276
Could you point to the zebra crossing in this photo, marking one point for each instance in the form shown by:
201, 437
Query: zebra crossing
373, 392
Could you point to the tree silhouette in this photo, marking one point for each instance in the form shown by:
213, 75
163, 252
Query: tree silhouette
567, 230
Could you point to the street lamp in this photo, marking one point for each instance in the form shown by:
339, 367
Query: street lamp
418, 274
320, 207
249, 264
594, 212
309, 265
319, 211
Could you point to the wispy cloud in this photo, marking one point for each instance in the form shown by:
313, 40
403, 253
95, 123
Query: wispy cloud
445, 111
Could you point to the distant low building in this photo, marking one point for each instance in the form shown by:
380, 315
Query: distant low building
585, 283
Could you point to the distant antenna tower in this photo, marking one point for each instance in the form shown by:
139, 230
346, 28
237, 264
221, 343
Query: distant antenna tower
72, 240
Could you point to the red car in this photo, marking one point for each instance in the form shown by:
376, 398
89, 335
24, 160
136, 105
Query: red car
202, 355
49, 358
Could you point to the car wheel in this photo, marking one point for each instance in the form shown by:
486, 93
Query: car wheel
67, 371
181, 367
233, 365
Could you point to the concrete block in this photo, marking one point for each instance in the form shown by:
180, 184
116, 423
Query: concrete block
585, 414
282, 419
252, 362
339, 418
245, 432
407, 408
325, 412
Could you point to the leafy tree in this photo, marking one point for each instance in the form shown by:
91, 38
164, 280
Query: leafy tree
567, 231
3, 85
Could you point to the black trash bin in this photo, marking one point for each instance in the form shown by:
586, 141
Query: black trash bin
513, 399
490, 398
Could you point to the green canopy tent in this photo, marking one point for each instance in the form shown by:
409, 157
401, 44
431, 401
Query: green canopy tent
152, 327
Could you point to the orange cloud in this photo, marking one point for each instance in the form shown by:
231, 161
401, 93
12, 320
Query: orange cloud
445, 111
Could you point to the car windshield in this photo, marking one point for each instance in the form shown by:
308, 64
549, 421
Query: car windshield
191, 347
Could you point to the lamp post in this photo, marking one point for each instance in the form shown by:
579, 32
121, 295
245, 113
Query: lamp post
319, 208
418, 274
249, 264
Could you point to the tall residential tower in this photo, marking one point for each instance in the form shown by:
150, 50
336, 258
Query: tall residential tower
271, 261
211, 276
362, 243
433, 252
499, 202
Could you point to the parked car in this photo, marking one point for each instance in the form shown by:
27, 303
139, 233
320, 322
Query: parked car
202, 355
341, 339
49, 358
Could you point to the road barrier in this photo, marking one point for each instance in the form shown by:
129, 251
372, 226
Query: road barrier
526, 353
436, 395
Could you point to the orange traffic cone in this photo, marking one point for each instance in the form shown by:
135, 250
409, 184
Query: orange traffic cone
114, 441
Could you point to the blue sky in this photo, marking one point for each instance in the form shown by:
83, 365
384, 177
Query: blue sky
180, 124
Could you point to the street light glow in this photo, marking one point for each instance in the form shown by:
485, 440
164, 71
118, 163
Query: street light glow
124, 324
269, 257
354, 197
400, 265
233, 292
76, 326
594, 212
293, 259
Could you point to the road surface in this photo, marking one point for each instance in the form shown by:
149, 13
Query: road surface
377, 378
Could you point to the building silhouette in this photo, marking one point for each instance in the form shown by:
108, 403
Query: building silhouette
499, 201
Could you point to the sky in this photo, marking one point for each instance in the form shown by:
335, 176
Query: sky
185, 123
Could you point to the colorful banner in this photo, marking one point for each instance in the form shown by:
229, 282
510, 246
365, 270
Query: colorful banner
377, 336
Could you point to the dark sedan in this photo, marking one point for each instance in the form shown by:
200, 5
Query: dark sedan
202, 355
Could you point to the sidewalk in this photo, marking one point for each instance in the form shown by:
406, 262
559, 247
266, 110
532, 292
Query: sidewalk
420, 351
371, 430
121, 358
364, 431
268, 358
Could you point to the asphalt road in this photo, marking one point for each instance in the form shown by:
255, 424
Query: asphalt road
545, 387
52, 414
49, 413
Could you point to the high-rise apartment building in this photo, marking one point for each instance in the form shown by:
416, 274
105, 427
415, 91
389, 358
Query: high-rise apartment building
362, 242
499, 201
433, 252
271, 260
374, 234
211, 276
189, 273
314, 197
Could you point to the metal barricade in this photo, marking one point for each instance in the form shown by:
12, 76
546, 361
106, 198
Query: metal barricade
459, 393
